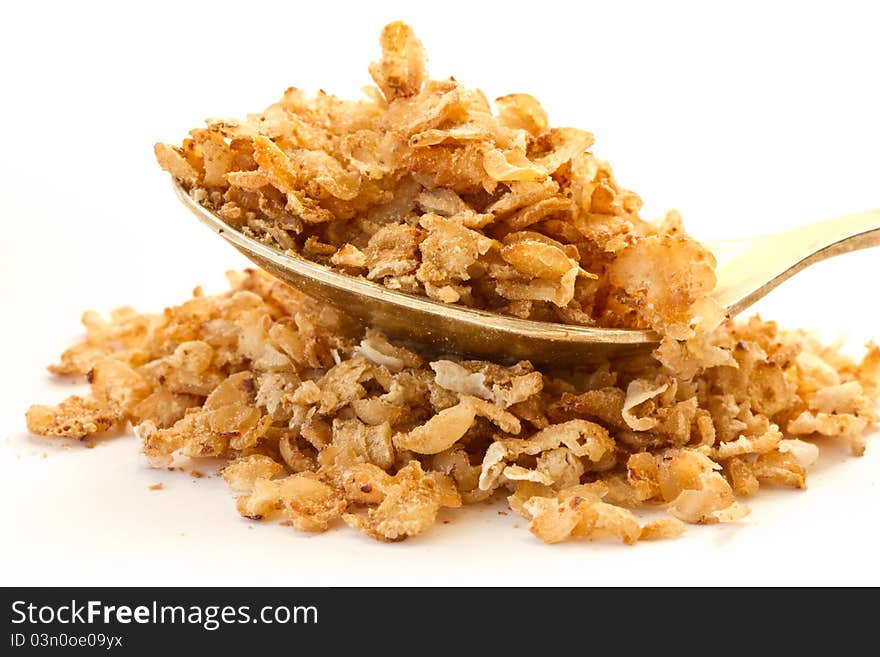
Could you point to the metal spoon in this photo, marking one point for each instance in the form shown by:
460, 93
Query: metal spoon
747, 270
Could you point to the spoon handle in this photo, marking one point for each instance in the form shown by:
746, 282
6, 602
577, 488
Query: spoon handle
749, 269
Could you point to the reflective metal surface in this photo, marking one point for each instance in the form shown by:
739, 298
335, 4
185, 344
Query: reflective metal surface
748, 269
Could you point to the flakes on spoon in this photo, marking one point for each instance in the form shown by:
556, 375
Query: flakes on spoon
422, 188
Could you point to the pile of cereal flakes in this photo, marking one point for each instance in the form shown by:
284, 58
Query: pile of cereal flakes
421, 188
321, 421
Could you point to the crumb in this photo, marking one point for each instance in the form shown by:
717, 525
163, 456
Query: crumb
158, 486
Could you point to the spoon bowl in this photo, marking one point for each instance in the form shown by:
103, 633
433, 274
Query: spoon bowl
747, 270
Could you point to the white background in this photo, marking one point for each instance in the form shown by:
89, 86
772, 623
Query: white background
748, 118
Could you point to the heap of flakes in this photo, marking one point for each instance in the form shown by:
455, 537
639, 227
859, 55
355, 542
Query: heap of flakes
423, 189
322, 423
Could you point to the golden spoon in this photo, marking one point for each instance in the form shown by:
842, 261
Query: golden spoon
747, 270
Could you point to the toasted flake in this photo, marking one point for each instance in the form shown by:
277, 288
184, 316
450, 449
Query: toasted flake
73, 418
522, 111
766, 442
309, 503
583, 438
452, 376
661, 529
242, 473
172, 159
638, 392
379, 351
440, 432
401, 71
410, 504
578, 512
805, 453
